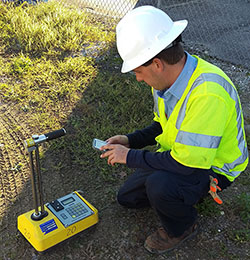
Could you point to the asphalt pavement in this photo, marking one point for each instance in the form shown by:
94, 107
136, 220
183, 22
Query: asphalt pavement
219, 27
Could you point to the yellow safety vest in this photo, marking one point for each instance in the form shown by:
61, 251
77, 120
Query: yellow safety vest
206, 129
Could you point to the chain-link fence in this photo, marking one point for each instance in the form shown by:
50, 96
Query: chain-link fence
219, 28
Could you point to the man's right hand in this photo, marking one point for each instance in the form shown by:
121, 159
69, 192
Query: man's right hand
119, 139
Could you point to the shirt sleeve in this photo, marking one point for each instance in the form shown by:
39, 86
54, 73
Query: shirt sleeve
144, 137
156, 161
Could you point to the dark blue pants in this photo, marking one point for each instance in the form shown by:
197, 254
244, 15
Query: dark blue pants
172, 195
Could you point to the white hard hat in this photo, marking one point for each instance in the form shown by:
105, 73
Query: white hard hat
143, 33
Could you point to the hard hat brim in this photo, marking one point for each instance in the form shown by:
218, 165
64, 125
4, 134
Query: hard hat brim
160, 43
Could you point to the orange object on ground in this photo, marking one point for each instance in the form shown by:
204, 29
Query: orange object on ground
213, 189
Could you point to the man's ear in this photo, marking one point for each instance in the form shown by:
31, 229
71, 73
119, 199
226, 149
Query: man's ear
158, 64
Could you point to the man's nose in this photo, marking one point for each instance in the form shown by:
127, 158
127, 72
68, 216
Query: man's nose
138, 77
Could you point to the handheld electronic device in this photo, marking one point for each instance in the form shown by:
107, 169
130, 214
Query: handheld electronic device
97, 143
51, 223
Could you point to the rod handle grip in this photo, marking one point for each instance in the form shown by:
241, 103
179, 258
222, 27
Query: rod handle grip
55, 134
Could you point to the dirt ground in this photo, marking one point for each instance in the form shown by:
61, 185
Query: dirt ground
121, 232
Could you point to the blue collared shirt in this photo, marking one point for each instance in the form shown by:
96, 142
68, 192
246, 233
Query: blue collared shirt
172, 95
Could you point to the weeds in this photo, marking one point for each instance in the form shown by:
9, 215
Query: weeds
208, 207
20, 65
243, 207
240, 232
241, 235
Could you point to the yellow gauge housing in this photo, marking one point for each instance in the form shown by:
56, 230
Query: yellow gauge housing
66, 217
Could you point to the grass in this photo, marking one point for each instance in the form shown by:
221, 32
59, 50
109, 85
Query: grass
243, 207
45, 74
41, 59
50, 29
57, 80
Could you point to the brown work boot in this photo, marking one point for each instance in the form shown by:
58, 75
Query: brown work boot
160, 242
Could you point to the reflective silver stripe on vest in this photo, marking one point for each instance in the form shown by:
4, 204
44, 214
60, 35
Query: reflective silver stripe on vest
156, 107
200, 140
203, 140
